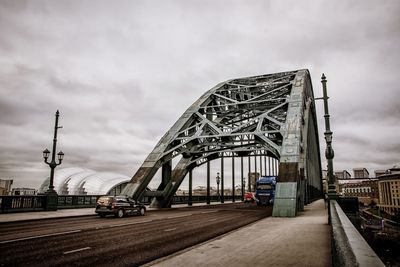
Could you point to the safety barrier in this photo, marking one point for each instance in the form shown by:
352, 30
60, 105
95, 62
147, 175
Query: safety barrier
349, 248
22, 203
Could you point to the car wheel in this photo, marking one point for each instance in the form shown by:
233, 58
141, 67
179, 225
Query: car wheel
142, 211
120, 213
102, 215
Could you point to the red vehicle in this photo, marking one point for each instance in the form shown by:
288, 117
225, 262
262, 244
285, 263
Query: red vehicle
248, 197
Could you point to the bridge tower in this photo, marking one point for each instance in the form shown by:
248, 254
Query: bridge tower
269, 115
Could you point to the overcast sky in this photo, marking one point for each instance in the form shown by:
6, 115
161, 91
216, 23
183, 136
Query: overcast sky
122, 72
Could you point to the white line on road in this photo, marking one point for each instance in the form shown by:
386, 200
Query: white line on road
76, 250
204, 212
124, 224
39, 236
180, 216
169, 230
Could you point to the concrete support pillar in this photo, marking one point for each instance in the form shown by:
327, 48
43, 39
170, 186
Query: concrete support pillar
288, 172
287, 195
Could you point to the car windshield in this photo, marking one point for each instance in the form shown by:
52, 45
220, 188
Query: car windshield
264, 186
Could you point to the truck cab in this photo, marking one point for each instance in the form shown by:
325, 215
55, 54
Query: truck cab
265, 190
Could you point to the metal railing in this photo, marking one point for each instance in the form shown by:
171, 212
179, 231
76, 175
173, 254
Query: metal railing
73, 202
22, 203
201, 199
10, 204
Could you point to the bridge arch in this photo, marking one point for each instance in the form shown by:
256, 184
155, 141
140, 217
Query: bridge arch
270, 115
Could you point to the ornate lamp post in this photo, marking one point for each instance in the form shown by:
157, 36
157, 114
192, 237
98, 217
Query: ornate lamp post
52, 194
329, 153
218, 179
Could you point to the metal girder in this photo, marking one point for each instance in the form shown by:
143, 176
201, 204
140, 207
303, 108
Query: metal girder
238, 117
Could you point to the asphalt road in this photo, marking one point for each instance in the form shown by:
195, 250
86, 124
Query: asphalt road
130, 241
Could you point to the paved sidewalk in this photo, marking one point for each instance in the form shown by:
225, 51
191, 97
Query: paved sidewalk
301, 241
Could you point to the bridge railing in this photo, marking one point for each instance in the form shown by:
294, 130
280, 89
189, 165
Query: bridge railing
22, 203
202, 199
73, 202
349, 248
10, 204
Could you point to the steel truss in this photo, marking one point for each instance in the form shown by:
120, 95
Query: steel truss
260, 115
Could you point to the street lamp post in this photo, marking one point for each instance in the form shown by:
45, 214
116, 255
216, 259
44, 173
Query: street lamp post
51, 193
218, 179
243, 187
329, 153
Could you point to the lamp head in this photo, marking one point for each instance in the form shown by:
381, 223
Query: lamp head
46, 154
60, 156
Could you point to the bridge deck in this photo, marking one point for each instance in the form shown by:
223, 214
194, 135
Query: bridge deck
300, 241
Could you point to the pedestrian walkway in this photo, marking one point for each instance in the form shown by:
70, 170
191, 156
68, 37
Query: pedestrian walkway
300, 241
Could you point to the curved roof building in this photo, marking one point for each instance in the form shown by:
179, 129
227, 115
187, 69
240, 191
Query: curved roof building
79, 181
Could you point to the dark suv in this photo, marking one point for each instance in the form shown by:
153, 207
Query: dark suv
119, 206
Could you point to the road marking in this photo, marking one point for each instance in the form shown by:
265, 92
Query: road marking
180, 216
168, 230
39, 236
204, 212
125, 224
212, 220
76, 250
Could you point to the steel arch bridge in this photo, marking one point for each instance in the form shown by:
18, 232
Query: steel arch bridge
267, 115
